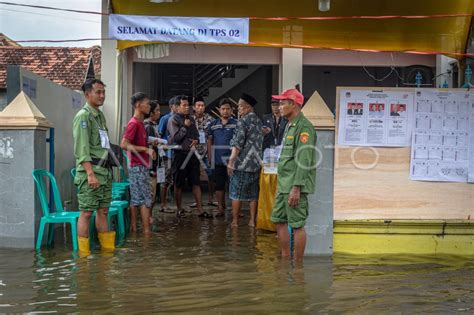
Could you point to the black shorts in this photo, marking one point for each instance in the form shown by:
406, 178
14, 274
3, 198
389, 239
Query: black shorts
183, 169
220, 177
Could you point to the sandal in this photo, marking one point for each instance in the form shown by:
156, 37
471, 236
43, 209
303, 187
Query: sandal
213, 204
219, 215
181, 214
166, 210
205, 215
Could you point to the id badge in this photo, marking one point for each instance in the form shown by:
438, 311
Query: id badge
161, 152
278, 152
104, 139
160, 175
202, 137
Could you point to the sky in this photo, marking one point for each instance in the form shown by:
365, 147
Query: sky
22, 23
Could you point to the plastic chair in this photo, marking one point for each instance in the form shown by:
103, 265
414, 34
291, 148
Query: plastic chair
123, 176
124, 183
50, 217
121, 208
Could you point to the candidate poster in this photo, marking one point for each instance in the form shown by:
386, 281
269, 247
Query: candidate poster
375, 118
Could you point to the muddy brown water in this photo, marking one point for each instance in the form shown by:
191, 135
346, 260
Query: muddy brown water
203, 266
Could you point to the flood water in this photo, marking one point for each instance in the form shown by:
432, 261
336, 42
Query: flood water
202, 266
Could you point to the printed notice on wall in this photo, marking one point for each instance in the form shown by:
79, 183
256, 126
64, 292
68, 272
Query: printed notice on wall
270, 160
442, 137
376, 118
471, 145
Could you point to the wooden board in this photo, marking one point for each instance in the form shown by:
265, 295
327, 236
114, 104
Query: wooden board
374, 183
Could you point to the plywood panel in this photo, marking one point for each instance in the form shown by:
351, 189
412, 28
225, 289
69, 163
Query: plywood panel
374, 183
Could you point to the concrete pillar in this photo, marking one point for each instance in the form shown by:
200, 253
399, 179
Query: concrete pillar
291, 68
443, 65
319, 226
109, 76
22, 148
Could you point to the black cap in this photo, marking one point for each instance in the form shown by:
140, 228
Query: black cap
249, 99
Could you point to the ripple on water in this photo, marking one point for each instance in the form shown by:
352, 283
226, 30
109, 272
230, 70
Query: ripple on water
204, 266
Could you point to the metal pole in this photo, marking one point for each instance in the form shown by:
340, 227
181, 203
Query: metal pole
468, 75
50, 140
418, 79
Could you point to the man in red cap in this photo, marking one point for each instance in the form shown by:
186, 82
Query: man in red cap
296, 174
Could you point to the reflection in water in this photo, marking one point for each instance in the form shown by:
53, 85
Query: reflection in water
193, 265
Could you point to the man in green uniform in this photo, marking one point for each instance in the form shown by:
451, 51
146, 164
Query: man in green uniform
93, 172
296, 174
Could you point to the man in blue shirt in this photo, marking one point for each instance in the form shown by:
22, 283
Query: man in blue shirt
164, 134
220, 133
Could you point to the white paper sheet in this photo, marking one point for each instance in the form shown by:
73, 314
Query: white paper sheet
376, 118
471, 144
443, 136
270, 160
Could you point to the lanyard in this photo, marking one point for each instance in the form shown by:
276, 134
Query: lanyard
96, 121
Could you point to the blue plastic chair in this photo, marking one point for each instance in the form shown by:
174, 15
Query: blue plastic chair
50, 217
124, 183
122, 207
123, 176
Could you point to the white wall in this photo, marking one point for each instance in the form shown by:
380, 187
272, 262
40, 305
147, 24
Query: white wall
443, 66
56, 103
291, 70
319, 57
209, 54
109, 75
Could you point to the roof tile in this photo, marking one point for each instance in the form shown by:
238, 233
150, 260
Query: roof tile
65, 66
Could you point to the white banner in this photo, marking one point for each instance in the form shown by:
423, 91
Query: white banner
179, 29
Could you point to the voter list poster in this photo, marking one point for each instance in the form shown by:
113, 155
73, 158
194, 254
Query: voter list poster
442, 141
376, 118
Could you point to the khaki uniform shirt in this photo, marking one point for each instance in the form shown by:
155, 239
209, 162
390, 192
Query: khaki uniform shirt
297, 163
87, 145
